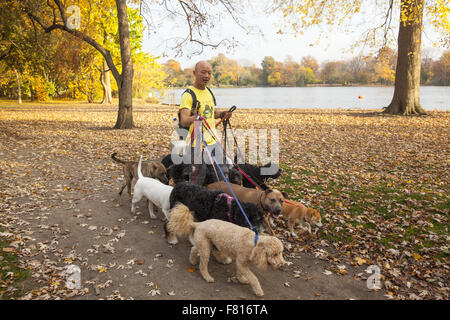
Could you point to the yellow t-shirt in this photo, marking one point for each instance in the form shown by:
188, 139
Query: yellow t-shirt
206, 109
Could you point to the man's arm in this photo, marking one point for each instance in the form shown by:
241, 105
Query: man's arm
185, 118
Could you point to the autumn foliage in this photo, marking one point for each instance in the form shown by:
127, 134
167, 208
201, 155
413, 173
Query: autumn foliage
383, 196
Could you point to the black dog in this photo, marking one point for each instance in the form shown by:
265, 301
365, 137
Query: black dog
180, 172
213, 204
254, 173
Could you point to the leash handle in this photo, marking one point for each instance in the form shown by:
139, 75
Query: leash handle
233, 108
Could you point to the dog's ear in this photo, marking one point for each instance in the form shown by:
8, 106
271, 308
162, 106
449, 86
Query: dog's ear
268, 191
285, 195
259, 255
153, 167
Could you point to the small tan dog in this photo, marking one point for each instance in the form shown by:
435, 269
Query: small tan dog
297, 212
231, 241
154, 169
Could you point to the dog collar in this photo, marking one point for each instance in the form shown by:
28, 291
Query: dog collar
229, 200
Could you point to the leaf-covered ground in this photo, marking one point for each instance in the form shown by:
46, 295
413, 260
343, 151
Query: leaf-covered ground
380, 182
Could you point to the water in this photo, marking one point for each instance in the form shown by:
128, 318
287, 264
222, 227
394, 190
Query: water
431, 98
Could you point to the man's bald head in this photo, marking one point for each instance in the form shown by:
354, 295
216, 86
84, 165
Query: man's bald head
202, 64
202, 73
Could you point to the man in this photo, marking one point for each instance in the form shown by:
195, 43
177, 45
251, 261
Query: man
206, 108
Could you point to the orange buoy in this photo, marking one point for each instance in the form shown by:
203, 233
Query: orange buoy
360, 97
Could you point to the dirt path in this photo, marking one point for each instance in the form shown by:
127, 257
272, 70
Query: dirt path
127, 256
60, 207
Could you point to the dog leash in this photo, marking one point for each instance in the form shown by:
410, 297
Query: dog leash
221, 119
208, 128
237, 201
225, 123
257, 186
210, 159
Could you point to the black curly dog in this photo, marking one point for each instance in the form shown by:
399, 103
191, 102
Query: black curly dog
212, 204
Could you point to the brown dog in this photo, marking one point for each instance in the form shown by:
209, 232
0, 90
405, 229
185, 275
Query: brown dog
270, 201
151, 169
297, 212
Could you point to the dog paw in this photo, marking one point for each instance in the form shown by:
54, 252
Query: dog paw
172, 241
209, 279
259, 293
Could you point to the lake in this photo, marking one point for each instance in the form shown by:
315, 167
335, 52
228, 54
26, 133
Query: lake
431, 97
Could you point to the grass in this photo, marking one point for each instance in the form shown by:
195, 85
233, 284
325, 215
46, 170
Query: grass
368, 201
11, 276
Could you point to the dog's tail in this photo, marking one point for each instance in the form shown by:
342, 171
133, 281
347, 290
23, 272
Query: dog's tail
181, 220
113, 156
140, 175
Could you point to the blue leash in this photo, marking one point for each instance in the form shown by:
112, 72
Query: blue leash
237, 201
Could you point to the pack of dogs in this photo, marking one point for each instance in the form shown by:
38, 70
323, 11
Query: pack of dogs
211, 215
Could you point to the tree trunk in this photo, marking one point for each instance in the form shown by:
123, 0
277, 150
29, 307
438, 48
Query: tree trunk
406, 98
125, 83
106, 83
32, 92
19, 88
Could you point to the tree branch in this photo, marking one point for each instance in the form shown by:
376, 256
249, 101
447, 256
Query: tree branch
104, 52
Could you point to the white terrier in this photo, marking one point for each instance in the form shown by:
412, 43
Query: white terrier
156, 192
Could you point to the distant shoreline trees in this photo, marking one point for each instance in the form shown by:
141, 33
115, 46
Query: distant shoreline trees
360, 70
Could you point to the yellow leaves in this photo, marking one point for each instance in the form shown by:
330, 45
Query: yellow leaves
190, 269
102, 270
417, 256
360, 261
342, 271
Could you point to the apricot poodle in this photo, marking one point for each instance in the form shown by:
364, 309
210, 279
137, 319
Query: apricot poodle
231, 241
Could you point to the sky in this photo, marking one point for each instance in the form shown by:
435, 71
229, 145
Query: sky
263, 40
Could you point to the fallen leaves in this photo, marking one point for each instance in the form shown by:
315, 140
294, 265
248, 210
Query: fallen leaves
360, 261
381, 184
